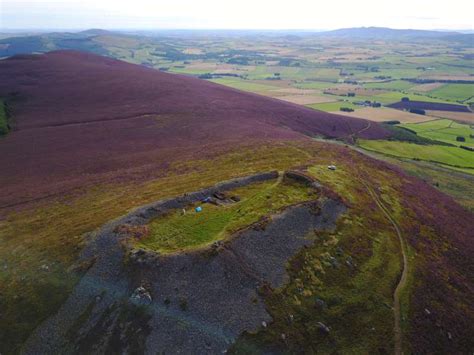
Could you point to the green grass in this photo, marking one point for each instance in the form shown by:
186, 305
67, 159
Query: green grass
323, 74
185, 70
453, 156
399, 73
391, 85
176, 232
293, 73
443, 130
3, 119
457, 92
395, 96
459, 186
407, 135
317, 85
332, 106
385, 98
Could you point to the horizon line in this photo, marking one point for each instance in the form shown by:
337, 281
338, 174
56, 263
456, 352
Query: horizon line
81, 29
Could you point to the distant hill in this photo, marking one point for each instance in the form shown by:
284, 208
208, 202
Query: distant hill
70, 107
386, 33
95, 32
52, 41
107, 42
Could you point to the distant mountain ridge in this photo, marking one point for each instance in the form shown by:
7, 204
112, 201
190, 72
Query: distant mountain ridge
92, 40
385, 32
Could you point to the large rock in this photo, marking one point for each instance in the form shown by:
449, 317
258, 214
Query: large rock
141, 296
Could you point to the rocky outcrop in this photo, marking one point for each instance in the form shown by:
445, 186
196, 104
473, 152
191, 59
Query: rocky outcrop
197, 302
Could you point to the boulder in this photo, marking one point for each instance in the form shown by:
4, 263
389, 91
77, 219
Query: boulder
141, 296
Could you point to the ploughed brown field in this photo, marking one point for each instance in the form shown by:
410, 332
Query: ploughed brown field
79, 119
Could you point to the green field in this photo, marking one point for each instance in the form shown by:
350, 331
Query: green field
296, 73
395, 96
332, 106
177, 232
384, 98
244, 85
316, 85
457, 92
185, 70
311, 64
452, 156
390, 85
443, 130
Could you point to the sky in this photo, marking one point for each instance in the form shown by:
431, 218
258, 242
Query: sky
236, 14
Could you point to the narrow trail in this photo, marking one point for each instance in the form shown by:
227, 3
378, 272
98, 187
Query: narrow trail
403, 279
353, 135
369, 124
94, 121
